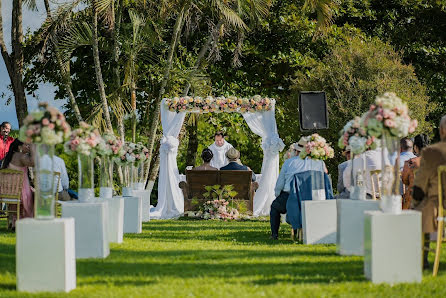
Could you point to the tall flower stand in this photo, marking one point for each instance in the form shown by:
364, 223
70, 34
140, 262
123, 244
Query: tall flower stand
45, 255
392, 247
145, 201
91, 227
319, 222
132, 215
350, 225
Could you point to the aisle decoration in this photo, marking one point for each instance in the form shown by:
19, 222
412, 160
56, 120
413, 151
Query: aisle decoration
389, 120
44, 127
84, 141
141, 154
317, 148
356, 137
109, 148
219, 104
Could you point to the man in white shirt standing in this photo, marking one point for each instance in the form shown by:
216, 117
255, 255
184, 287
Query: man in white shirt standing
59, 166
219, 149
290, 167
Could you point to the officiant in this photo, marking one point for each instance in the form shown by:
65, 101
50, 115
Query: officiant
219, 149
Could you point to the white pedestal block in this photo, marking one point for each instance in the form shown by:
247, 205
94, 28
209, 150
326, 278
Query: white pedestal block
350, 227
132, 215
91, 221
145, 198
115, 219
319, 222
392, 247
45, 255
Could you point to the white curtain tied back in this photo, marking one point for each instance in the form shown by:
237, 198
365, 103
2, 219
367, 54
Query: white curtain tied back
169, 143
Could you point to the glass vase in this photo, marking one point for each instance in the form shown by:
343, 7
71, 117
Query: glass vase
45, 187
390, 174
86, 177
106, 180
138, 175
128, 177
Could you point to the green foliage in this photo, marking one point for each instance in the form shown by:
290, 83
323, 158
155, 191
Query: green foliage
217, 192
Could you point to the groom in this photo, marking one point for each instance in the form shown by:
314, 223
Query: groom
219, 149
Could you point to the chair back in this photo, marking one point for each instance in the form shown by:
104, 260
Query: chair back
441, 171
375, 176
11, 183
198, 180
241, 180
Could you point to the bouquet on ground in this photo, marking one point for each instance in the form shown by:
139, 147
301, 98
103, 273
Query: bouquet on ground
356, 137
46, 125
219, 209
317, 148
84, 140
219, 104
389, 113
110, 145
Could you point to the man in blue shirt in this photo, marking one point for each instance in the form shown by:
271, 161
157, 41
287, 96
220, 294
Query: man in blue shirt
290, 167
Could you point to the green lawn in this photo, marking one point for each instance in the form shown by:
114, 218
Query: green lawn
185, 258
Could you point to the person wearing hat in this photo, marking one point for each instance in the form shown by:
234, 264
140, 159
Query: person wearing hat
219, 149
207, 156
290, 167
234, 164
343, 192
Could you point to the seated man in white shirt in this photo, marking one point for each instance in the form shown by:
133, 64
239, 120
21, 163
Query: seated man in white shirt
59, 166
219, 149
370, 160
290, 167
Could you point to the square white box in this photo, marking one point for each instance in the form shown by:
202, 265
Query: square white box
132, 215
115, 219
350, 227
45, 255
91, 227
145, 201
392, 247
319, 222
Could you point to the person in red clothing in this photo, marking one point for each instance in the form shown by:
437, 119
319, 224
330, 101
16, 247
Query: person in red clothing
5, 139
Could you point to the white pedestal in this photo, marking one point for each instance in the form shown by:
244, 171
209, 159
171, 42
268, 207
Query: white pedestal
115, 219
319, 222
45, 255
392, 247
145, 198
132, 215
350, 227
91, 220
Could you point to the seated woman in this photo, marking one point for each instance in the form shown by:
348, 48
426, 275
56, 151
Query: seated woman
19, 157
410, 166
234, 163
207, 156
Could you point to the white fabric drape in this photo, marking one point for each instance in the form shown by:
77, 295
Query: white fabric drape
170, 197
264, 125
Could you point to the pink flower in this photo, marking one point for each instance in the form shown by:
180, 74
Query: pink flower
29, 132
372, 107
379, 117
45, 121
389, 123
51, 126
369, 142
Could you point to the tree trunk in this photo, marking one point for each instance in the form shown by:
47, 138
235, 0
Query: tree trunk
153, 175
14, 61
175, 38
133, 94
66, 78
192, 145
98, 71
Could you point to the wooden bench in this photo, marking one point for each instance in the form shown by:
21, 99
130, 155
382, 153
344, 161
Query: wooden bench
195, 183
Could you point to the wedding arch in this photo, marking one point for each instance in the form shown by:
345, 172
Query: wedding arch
259, 114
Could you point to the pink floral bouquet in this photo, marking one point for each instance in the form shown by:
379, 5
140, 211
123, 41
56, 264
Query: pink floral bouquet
133, 153
84, 140
389, 113
46, 125
356, 137
111, 146
219, 104
317, 148
218, 209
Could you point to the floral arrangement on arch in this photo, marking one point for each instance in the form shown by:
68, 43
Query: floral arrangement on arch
46, 125
110, 145
356, 137
317, 148
389, 113
84, 140
219, 104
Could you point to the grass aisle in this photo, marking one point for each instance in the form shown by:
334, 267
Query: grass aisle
218, 259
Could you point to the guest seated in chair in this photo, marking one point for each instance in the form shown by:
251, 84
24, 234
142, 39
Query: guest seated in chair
234, 163
290, 167
207, 156
425, 190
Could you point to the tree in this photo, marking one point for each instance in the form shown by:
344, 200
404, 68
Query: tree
14, 60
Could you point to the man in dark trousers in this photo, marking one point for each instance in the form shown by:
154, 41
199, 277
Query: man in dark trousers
234, 163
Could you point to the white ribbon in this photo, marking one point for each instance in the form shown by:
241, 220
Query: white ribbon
169, 143
272, 144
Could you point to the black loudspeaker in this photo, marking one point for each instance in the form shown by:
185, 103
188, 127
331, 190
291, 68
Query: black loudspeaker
313, 113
